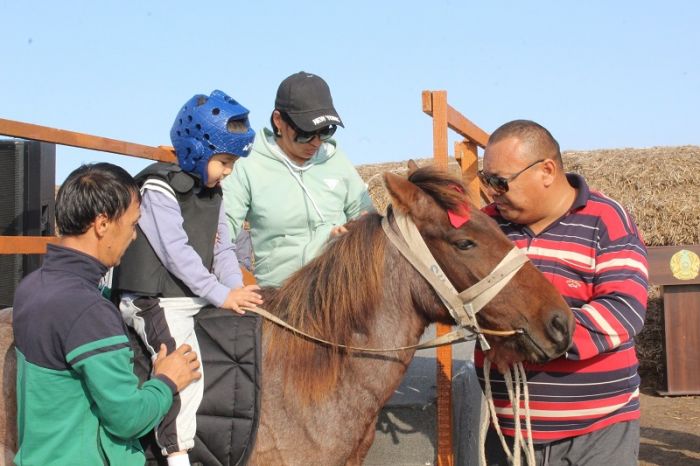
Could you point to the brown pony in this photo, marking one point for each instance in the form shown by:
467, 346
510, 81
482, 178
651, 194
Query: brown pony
320, 404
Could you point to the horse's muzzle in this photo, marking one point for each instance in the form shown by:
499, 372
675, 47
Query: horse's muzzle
553, 342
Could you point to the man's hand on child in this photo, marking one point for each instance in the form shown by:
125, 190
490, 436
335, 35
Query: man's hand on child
243, 297
181, 366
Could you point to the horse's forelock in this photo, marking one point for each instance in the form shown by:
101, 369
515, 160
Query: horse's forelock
447, 191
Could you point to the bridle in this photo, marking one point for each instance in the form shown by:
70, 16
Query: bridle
462, 306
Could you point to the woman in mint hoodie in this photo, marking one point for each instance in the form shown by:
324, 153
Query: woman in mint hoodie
297, 188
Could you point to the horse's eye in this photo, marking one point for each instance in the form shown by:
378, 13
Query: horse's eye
465, 244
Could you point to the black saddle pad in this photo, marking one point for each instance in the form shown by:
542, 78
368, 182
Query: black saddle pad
227, 419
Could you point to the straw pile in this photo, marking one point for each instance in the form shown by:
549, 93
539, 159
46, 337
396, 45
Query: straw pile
659, 186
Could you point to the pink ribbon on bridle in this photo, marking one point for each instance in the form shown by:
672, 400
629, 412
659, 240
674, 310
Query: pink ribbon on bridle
461, 216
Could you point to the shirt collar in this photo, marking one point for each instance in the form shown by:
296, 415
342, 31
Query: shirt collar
583, 193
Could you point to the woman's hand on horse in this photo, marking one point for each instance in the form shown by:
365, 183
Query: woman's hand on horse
342, 229
243, 297
339, 230
181, 366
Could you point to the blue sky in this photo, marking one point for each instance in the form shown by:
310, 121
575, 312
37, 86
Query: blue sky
598, 74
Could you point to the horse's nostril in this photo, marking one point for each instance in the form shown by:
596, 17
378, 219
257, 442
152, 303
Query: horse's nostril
558, 329
558, 323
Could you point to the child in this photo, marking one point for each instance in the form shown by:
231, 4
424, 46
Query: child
183, 258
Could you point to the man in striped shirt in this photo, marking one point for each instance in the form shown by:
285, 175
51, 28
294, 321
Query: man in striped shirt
584, 405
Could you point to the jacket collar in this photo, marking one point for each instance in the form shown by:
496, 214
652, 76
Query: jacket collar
63, 259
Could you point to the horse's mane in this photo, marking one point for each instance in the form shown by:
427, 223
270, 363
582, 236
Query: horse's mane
336, 296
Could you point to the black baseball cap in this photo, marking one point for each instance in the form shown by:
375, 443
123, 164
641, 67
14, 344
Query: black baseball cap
306, 98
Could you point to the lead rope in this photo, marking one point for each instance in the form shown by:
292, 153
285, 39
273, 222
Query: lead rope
518, 441
528, 425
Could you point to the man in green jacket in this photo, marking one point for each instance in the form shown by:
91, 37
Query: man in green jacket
297, 188
78, 400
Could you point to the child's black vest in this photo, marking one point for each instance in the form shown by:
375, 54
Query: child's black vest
140, 271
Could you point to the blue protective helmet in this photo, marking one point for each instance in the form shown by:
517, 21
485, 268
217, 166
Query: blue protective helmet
202, 129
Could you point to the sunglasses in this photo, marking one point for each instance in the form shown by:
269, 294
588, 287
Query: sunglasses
500, 183
305, 137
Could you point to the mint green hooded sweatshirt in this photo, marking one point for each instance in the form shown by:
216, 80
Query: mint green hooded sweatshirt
291, 209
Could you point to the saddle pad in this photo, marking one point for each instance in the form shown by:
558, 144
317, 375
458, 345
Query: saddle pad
227, 419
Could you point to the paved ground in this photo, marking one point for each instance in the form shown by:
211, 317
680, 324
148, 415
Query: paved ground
405, 433
670, 426
670, 430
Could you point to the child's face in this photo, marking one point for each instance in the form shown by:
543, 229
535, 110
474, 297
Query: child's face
219, 167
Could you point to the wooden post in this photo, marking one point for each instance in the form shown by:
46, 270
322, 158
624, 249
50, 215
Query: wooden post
467, 156
438, 104
445, 117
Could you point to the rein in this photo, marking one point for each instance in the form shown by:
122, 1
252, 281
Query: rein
461, 306
447, 339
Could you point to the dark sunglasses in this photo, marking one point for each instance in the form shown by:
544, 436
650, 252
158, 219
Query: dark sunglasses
499, 183
305, 137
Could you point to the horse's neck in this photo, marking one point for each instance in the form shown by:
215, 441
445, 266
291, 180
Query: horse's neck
398, 323
291, 430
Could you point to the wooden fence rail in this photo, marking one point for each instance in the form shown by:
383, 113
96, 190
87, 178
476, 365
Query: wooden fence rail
37, 244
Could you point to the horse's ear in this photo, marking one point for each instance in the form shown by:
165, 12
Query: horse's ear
412, 166
404, 194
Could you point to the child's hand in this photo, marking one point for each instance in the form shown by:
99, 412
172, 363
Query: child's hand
242, 297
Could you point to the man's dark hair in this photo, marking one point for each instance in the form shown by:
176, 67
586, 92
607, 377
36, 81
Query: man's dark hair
91, 190
539, 140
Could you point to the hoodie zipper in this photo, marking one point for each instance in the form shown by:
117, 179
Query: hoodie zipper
308, 221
